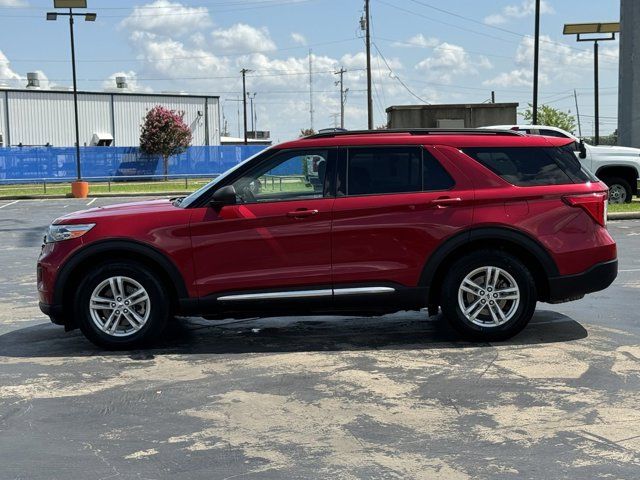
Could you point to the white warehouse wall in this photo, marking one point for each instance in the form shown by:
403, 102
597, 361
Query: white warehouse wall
38, 117
3, 117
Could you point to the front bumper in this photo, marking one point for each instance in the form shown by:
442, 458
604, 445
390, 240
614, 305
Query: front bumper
54, 312
570, 287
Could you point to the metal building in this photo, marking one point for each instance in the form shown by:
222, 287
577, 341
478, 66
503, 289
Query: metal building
465, 115
45, 117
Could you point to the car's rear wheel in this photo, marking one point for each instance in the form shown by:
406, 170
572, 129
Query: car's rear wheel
489, 295
619, 190
121, 306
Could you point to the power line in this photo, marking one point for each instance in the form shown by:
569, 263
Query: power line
396, 77
458, 27
494, 27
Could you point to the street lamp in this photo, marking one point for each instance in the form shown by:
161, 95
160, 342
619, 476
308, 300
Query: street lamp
78, 188
598, 29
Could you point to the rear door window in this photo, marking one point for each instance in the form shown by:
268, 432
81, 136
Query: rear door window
382, 170
527, 166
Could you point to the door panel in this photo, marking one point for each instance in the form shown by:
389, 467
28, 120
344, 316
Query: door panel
388, 238
262, 246
278, 236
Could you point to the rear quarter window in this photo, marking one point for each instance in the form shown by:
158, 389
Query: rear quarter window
531, 166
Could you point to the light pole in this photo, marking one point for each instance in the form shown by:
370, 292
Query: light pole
79, 188
597, 29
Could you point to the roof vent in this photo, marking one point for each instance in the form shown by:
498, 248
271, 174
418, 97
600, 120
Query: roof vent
121, 82
33, 80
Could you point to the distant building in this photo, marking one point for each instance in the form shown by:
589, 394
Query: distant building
34, 116
465, 115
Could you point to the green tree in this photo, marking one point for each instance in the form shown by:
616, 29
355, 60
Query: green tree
164, 133
552, 117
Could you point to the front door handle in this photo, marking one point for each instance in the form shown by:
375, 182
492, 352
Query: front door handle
446, 201
302, 213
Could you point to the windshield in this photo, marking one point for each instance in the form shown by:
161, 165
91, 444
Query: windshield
189, 200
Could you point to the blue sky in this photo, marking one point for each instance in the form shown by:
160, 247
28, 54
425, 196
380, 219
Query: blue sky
441, 52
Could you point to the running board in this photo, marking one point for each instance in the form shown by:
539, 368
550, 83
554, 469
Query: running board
307, 294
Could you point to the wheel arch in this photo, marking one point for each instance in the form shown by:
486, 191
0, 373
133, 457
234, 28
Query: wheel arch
626, 172
71, 273
523, 246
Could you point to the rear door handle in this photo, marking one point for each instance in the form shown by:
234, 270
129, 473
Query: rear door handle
302, 213
446, 201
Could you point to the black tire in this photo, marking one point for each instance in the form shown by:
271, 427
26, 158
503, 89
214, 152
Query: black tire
159, 311
488, 258
620, 183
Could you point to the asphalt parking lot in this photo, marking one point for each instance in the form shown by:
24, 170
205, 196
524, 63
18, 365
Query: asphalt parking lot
319, 397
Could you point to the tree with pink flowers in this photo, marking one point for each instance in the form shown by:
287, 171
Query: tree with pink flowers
165, 133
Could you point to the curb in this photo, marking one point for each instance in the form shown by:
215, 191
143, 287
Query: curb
624, 216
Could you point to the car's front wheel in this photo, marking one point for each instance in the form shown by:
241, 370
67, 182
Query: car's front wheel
489, 295
121, 306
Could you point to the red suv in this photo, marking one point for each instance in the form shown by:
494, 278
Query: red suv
482, 224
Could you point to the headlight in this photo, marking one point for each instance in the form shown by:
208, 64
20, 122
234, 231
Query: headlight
58, 233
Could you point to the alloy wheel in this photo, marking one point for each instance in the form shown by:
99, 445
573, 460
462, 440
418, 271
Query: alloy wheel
119, 306
488, 296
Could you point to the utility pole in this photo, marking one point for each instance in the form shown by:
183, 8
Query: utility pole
493, 96
343, 94
367, 29
596, 99
311, 90
252, 96
575, 95
536, 60
244, 72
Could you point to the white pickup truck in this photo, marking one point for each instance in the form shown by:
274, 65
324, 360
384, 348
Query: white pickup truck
618, 167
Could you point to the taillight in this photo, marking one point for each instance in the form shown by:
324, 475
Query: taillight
595, 204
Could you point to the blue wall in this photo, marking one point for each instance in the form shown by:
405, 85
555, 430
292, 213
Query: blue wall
19, 164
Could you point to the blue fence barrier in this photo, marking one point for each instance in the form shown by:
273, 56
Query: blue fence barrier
33, 164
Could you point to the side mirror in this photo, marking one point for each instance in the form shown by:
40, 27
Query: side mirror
224, 196
582, 149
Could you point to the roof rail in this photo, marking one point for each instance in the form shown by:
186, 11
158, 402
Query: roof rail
417, 131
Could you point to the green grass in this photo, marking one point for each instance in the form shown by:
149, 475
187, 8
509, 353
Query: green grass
158, 187
625, 207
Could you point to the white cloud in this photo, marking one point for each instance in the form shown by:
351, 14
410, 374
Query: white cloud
242, 38
132, 82
418, 40
451, 60
7, 75
167, 18
524, 9
205, 61
558, 62
173, 59
298, 38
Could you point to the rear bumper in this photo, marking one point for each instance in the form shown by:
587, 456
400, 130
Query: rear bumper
570, 287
